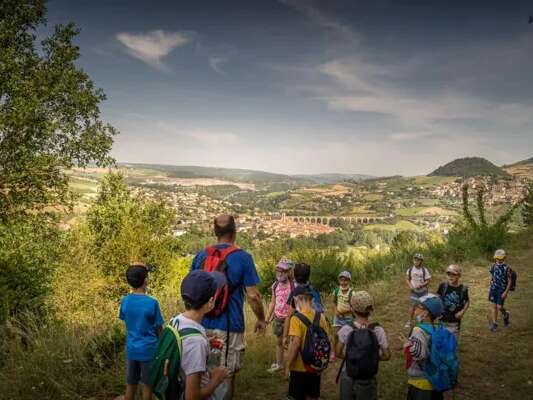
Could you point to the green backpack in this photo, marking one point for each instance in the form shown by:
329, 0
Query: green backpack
165, 379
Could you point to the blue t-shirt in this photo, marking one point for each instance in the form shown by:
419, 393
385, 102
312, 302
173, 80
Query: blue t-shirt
241, 273
142, 316
500, 277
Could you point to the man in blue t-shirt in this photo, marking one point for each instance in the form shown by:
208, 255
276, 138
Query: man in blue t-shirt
242, 279
143, 320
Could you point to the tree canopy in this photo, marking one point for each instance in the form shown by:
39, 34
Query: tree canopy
49, 111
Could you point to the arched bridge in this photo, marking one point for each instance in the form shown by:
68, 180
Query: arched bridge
328, 220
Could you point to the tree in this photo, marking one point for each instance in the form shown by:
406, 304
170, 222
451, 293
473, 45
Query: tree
527, 210
49, 112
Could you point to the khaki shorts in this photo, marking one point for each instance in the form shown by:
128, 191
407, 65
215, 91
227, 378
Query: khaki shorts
277, 326
237, 345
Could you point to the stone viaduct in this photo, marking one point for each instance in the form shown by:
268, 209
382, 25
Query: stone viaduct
327, 220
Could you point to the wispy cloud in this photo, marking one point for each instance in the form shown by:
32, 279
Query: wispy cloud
152, 47
215, 62
314, 13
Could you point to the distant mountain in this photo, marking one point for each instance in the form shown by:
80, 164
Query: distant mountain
333, 178
523, 162
469, 167
230, 174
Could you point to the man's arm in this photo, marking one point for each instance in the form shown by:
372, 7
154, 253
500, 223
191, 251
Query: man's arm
254, 299
286, 325
408, 283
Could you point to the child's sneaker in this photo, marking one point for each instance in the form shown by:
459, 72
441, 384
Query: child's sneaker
274, 368
409, 324
494, 327
506, 319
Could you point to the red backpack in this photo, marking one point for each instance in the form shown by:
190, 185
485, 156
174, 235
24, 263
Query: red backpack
216, 261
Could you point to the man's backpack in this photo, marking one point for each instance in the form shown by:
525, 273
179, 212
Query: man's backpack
165, 376
362, 353
317, 347
513, 276
216, 261
442, 367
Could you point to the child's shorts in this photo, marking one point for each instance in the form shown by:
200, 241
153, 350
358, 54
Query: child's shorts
341, 320
414, 296
303, 385
137, 371
495, 296
277, 326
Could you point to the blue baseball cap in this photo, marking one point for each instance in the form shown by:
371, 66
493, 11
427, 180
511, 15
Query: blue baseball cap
433, 304
199, 286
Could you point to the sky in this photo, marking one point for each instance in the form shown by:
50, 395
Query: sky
300, 86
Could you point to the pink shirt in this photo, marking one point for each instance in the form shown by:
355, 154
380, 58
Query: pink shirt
281, 292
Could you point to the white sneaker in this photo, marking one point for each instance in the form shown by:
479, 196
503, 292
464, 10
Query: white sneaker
408, 324
274, 368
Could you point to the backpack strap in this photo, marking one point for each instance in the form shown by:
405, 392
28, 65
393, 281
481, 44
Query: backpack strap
316, 320
303, 318
350, 294
336, 295
189, 332
410, 273
274, 287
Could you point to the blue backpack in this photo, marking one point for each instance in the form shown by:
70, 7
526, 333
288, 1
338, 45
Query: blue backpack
442, 367
317, 301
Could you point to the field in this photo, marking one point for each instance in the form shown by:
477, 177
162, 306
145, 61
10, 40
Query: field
493, 365
398, 226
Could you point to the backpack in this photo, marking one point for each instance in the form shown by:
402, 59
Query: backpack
362, 353
317, 347
513, 276
165, 376
442, 367
336, 294
317, 301
216, 261
410, 271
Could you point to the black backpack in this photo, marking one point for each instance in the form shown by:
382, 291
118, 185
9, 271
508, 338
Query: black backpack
317, 347
513, 276
362, 353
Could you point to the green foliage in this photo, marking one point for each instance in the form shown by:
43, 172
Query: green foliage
478, 237
527, 210
49, 111
30, 249
126, 228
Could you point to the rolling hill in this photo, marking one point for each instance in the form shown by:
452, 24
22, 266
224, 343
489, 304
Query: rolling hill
333, 177
522, 168
468, 167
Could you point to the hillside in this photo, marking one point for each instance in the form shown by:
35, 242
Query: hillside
333, 178
468, 167
230, 174
529, 161
523, 169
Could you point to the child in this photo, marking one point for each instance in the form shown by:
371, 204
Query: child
343, 310
302, 272
303, 384
197, 291
279, 310
353, 388
417, 278
454, 296
143, 320
500, 284
417, 349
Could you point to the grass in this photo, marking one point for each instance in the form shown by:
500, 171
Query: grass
493, 365
423, 211
59, 363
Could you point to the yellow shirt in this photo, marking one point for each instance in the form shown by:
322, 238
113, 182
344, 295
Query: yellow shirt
298, 329
343, 301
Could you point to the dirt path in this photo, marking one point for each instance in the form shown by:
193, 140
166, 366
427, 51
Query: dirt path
493, 365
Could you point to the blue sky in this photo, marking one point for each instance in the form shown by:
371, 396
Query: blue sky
298, 86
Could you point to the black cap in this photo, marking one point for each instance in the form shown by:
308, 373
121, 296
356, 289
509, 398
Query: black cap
302, 290
136, 274
199, 286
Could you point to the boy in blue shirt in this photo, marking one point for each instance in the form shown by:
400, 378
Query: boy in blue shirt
500, 284
143, 320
